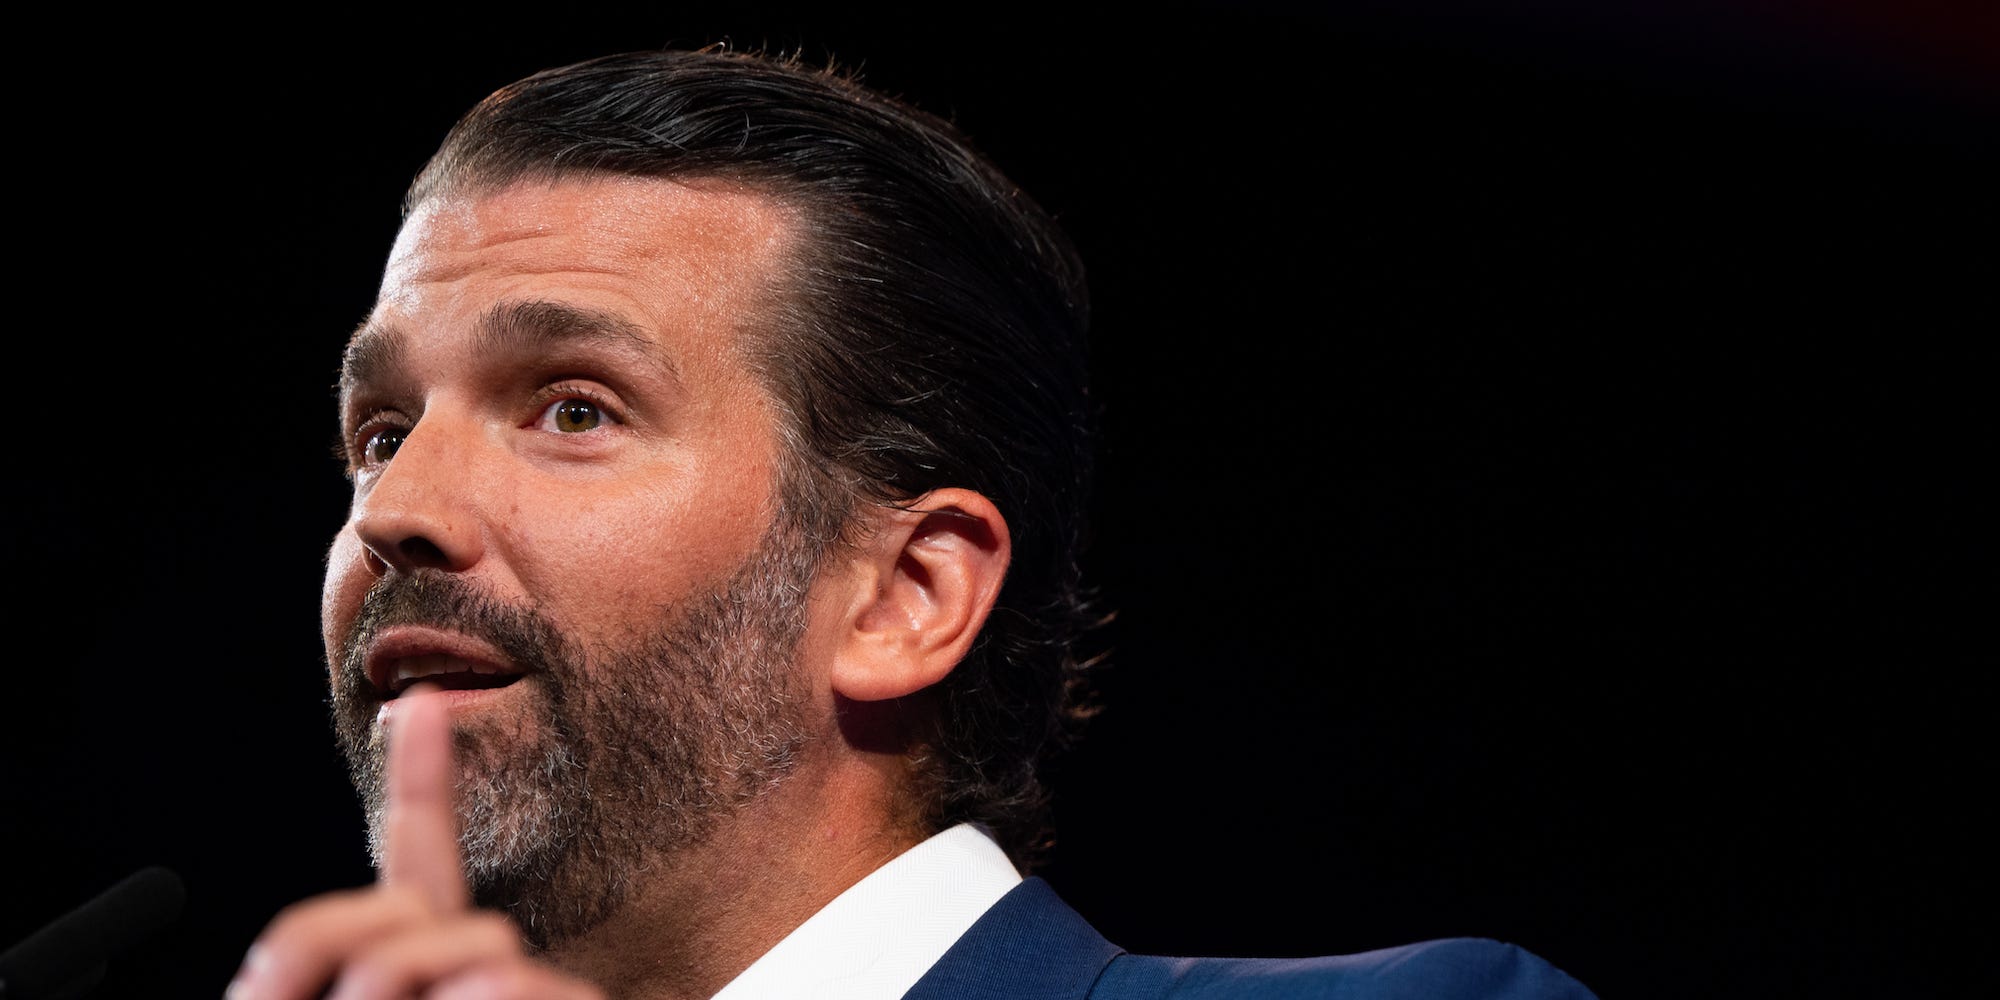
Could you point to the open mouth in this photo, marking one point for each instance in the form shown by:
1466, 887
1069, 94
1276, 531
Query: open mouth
393, 676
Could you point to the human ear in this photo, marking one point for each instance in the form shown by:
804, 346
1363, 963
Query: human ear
927, 577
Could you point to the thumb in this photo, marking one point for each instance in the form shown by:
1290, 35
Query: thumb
420, 825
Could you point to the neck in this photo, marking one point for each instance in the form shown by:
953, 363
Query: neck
701, 916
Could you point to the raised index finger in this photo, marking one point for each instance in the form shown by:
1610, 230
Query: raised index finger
420, 824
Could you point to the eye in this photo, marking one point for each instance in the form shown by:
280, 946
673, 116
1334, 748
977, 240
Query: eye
381, 446
572, 416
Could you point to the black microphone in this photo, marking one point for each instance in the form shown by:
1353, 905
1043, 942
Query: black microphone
70, 954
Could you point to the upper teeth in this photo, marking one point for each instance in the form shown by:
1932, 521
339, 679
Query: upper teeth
411, 668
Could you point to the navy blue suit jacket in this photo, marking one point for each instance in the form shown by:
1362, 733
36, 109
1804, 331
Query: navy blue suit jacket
1032, 946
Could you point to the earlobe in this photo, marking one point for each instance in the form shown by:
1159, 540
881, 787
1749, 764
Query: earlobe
931, 573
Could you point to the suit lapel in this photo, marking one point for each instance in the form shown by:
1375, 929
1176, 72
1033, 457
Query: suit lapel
1029, 946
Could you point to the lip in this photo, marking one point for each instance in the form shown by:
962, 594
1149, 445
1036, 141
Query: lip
390, 652
456, 700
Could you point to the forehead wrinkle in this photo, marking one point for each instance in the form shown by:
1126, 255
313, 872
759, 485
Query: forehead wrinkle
537, 325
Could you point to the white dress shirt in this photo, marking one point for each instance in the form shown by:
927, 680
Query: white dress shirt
874, 941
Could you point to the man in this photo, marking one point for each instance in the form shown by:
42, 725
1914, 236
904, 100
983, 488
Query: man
709, 594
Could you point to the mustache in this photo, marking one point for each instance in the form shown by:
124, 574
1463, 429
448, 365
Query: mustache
440, 600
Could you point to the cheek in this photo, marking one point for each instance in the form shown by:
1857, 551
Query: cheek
603, 569
611, 568
346, 584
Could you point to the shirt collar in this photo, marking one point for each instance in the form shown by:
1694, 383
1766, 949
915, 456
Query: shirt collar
875, 940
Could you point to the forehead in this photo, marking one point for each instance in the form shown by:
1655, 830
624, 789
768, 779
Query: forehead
672, 257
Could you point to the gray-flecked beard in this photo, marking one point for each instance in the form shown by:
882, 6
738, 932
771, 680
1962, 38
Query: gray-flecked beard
625, 756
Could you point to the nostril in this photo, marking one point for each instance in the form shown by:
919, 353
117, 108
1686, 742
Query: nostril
413, 518
421, 551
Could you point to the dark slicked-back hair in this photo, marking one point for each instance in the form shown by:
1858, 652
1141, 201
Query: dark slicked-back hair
930, 334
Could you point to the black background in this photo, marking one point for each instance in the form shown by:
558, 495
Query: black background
1537, 490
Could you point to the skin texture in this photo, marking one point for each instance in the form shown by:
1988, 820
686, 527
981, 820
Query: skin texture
660, 495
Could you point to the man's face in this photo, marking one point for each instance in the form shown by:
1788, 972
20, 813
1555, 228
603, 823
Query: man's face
564, 514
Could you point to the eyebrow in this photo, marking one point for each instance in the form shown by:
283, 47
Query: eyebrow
520, 327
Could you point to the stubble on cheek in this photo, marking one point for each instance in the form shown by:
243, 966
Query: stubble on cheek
524, 803
519, 766
608, 763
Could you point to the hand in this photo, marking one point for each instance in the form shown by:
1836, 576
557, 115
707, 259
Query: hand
414, 933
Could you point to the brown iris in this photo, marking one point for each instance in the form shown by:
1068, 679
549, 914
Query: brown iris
382, 446
575, 415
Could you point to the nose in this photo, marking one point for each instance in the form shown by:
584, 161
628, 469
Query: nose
420, 511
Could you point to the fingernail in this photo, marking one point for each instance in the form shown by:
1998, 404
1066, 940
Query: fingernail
244, 986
